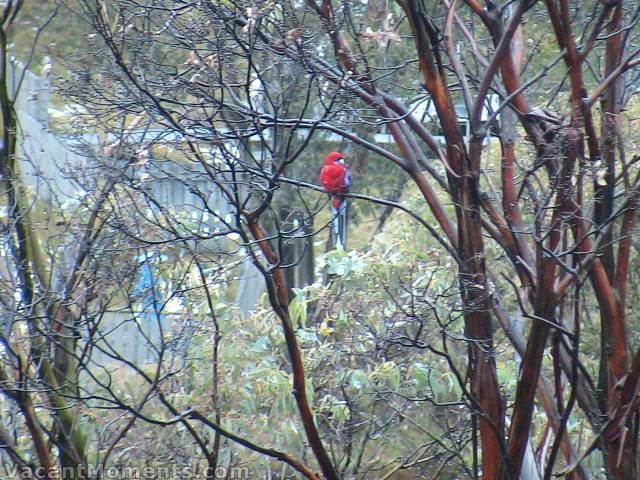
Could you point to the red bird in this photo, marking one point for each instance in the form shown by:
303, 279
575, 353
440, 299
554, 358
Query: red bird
335, 177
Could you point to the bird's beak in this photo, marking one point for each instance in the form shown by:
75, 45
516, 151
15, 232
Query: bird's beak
339, 162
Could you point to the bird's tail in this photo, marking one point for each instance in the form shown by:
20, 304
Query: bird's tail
339, 216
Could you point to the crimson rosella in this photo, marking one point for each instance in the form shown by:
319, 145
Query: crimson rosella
335, 177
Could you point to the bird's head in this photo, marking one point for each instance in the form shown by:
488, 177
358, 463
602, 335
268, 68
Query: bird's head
334, 158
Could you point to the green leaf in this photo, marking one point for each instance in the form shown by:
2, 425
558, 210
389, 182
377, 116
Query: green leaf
298, 311
421, 374
359, 380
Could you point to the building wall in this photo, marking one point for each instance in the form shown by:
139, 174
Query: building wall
49, 164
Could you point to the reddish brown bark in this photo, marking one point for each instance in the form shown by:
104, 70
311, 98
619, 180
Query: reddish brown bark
465, 192
544, 313
279, 299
